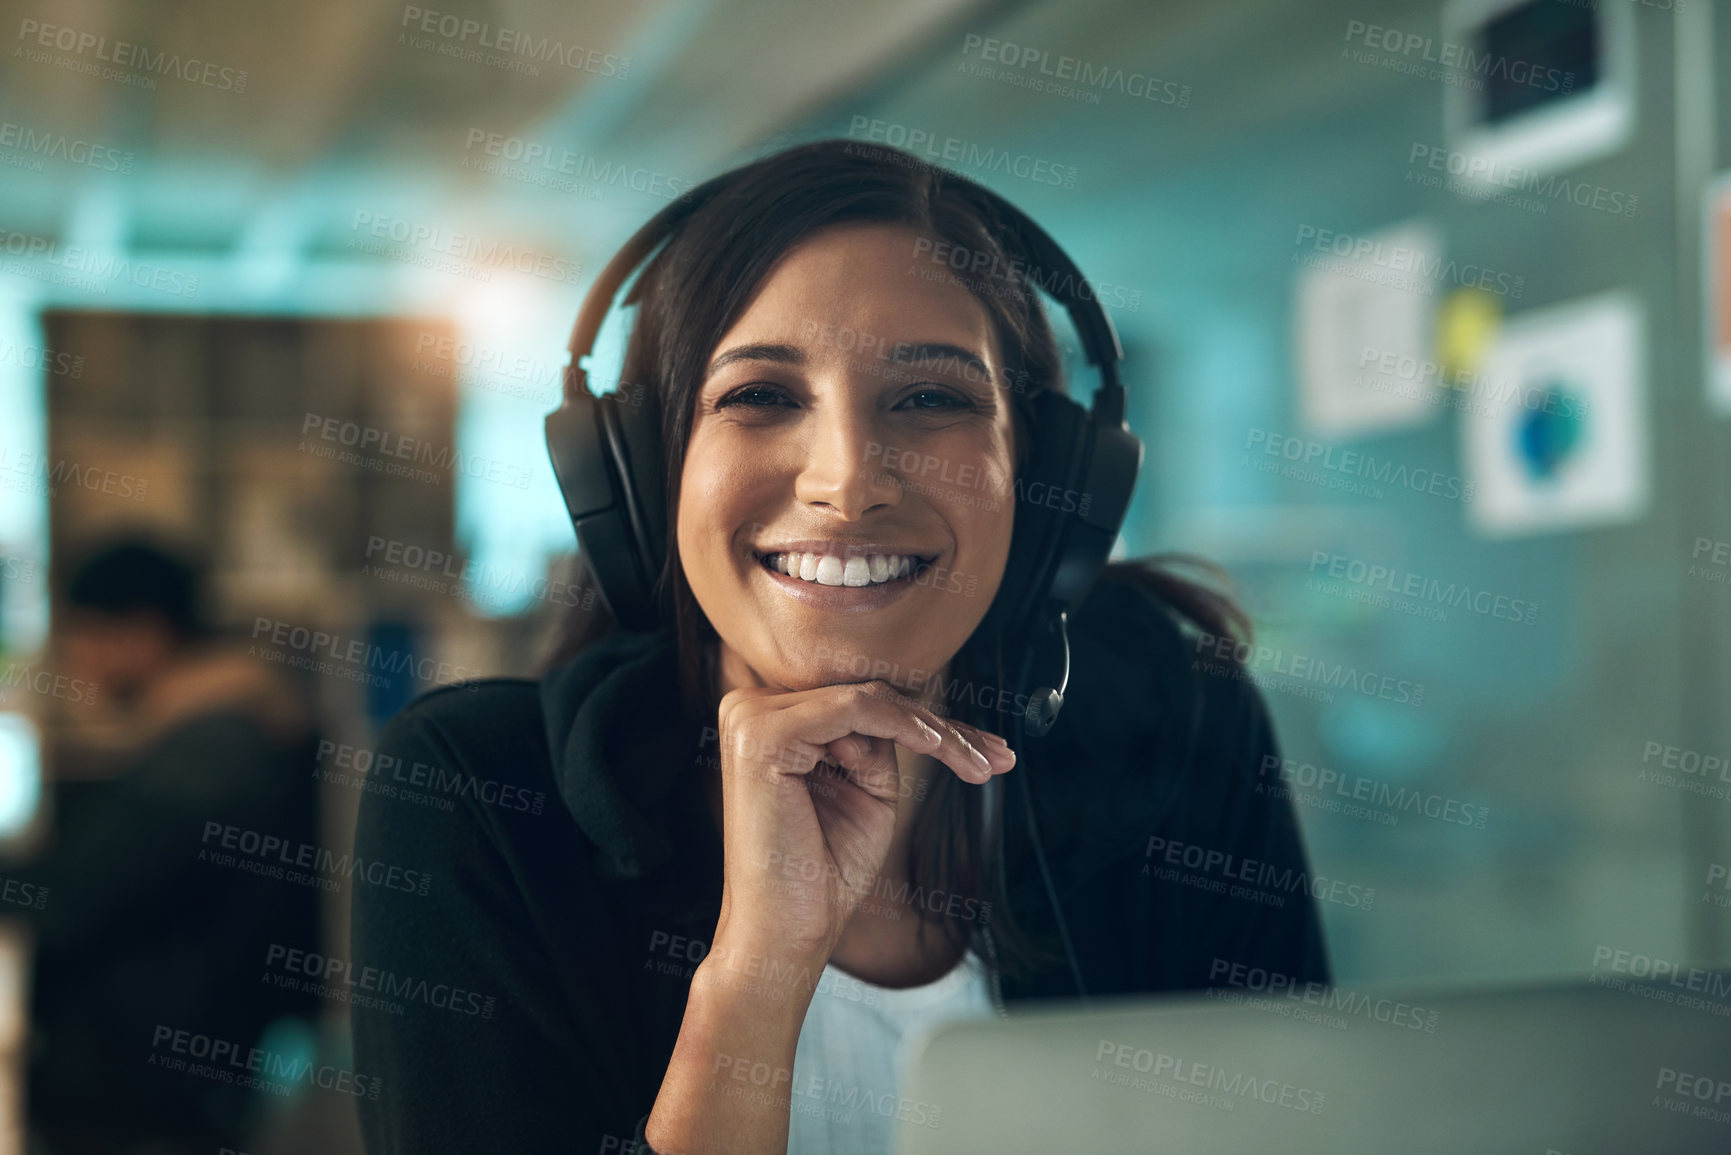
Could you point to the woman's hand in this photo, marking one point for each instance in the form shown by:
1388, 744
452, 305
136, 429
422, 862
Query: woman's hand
802, 840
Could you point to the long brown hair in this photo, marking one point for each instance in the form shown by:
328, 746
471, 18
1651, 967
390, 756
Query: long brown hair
735, 228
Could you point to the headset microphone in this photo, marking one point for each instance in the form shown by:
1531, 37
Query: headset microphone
1045, 702
1043, 707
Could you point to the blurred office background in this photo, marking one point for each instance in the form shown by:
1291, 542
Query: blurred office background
289, 283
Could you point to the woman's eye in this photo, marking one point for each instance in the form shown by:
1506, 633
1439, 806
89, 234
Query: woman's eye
752, 396
937, 399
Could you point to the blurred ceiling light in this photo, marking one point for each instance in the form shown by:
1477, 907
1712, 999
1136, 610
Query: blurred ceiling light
507, 309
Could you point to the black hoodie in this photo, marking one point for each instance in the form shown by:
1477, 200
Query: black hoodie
530, 1001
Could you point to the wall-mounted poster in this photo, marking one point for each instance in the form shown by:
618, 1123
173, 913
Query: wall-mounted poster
1716, 268
1557, 437
1361, 319
1533, 87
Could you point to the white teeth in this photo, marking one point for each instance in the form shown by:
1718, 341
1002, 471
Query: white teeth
830, 570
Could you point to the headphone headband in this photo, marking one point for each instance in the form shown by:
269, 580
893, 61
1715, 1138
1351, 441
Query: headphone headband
598, 301
1065, 283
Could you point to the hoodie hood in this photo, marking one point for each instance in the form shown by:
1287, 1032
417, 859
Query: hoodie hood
624, 753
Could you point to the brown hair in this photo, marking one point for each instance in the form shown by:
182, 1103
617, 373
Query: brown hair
688, 296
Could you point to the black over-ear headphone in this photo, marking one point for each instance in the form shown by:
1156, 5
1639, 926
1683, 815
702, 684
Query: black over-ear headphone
1071, 495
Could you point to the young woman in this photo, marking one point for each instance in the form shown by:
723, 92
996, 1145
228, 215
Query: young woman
693, 886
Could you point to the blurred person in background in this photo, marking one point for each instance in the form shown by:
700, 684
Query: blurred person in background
137, 932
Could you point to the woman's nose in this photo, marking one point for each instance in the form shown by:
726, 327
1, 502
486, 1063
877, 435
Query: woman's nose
844, 466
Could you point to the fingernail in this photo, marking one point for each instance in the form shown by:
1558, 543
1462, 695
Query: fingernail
980, 757
994, 739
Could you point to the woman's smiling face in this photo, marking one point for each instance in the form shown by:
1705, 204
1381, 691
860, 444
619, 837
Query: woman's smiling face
854, 413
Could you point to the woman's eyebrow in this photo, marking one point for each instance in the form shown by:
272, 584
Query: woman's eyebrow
779, 354
902, 352
938, 351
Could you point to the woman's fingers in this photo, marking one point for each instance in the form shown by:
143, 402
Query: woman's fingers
980, 745
878, 710
988, 741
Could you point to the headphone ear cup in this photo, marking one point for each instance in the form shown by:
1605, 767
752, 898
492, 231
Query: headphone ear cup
1055, 428
606, 455
637, 412
1071, 500
1114, 458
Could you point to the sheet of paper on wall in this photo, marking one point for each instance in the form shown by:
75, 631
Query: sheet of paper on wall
1554, 427
1718, 273
1362, 325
